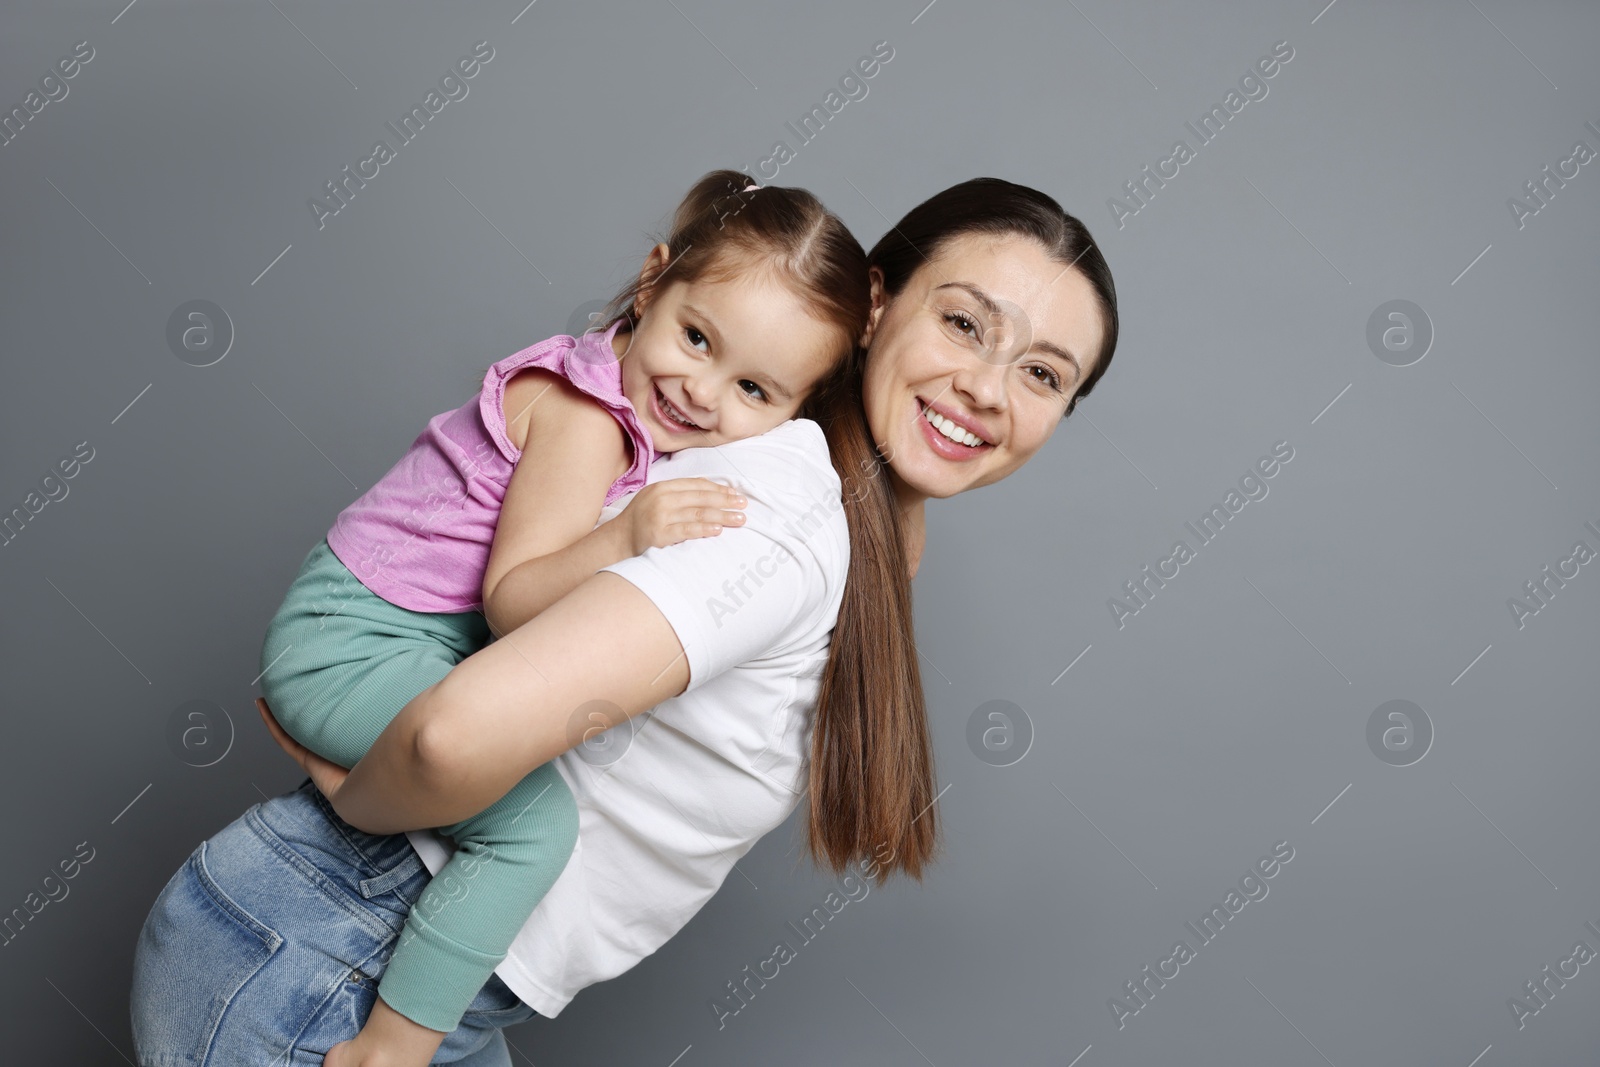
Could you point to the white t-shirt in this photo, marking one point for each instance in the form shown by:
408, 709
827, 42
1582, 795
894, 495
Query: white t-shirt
710, 771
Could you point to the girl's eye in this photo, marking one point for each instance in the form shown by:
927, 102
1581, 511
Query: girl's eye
696, 338
1045, 376
752, 390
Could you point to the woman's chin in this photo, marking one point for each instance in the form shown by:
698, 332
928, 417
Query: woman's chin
929, 474
936, 478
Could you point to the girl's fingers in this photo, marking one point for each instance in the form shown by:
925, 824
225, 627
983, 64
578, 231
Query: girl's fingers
708, 502
704, 491
683, 531
701, 530
707, 516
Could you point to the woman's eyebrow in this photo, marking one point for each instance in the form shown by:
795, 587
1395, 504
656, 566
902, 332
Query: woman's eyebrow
977, 294
989, 305
1056, 350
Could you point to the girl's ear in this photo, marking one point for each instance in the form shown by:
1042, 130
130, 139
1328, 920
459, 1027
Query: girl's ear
879, 299
654, 264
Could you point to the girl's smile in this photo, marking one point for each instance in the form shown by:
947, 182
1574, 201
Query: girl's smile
721, 358
669, 415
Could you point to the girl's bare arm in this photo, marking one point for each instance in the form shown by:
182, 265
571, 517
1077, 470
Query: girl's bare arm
545, 540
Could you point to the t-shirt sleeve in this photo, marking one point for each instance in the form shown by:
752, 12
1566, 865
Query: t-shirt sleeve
750, 590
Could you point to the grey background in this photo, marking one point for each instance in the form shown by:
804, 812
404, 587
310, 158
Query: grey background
1226, 716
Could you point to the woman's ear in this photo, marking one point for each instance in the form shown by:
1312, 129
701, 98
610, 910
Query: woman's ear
879, 299
654, 264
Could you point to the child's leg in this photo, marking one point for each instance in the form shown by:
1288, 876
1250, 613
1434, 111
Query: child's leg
507, 858
339, 663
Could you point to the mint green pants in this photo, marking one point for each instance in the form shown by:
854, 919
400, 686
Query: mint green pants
339, 663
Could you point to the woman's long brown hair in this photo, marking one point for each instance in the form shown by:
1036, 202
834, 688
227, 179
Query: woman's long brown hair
871, 756
872, 780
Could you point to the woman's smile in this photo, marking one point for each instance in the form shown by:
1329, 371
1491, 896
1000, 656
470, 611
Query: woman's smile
977, 348
953, 434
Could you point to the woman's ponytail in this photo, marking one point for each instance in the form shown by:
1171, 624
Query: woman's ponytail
872, 780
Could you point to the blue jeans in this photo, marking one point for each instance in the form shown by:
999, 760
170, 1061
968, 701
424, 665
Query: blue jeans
267, 945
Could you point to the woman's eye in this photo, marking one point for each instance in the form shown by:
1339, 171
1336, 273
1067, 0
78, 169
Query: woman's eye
963, 322
752, 390
696, 338
1045, 376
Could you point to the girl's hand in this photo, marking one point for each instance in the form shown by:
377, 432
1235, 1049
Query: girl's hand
326, 775
666, 512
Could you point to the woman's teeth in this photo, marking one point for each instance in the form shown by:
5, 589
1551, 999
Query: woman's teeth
951, 430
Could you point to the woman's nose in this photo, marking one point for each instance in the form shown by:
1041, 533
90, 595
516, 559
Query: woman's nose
983, 383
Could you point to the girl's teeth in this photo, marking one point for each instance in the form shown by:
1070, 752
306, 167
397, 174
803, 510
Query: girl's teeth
672, 413
951, 430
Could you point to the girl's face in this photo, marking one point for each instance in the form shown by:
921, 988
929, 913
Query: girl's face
716, 361
971, 366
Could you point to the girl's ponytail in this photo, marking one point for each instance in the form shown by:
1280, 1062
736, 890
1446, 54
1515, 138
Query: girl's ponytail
726, 225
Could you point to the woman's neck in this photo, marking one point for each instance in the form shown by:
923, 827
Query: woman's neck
913, 521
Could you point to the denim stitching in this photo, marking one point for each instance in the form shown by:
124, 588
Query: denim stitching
215, 893
338, 824
393, 878
213, 889
332, 890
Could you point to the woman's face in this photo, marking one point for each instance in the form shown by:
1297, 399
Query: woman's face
971, 366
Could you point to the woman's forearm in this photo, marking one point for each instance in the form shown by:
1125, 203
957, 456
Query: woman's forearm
393, 788
461, 744
533, 585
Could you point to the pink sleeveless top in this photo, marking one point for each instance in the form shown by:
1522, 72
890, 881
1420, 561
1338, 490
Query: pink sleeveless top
420, 537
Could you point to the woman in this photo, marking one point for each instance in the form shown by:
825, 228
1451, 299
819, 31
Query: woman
993, 312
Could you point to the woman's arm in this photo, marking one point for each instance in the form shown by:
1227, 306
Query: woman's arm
645, 629
461, 744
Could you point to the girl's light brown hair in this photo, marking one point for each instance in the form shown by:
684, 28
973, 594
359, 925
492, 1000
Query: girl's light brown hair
871, 776
725, 228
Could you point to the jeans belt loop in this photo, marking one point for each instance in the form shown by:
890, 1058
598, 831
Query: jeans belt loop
371, 887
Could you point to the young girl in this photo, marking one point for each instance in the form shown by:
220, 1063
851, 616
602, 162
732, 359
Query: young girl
730, 325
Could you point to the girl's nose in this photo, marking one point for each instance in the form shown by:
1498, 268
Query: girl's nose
699, 392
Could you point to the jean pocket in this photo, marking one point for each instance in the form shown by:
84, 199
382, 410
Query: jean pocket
197, 949
496, 1000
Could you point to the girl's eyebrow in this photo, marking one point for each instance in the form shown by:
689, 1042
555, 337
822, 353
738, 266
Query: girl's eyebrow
772, 384
983, 298
710, 327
